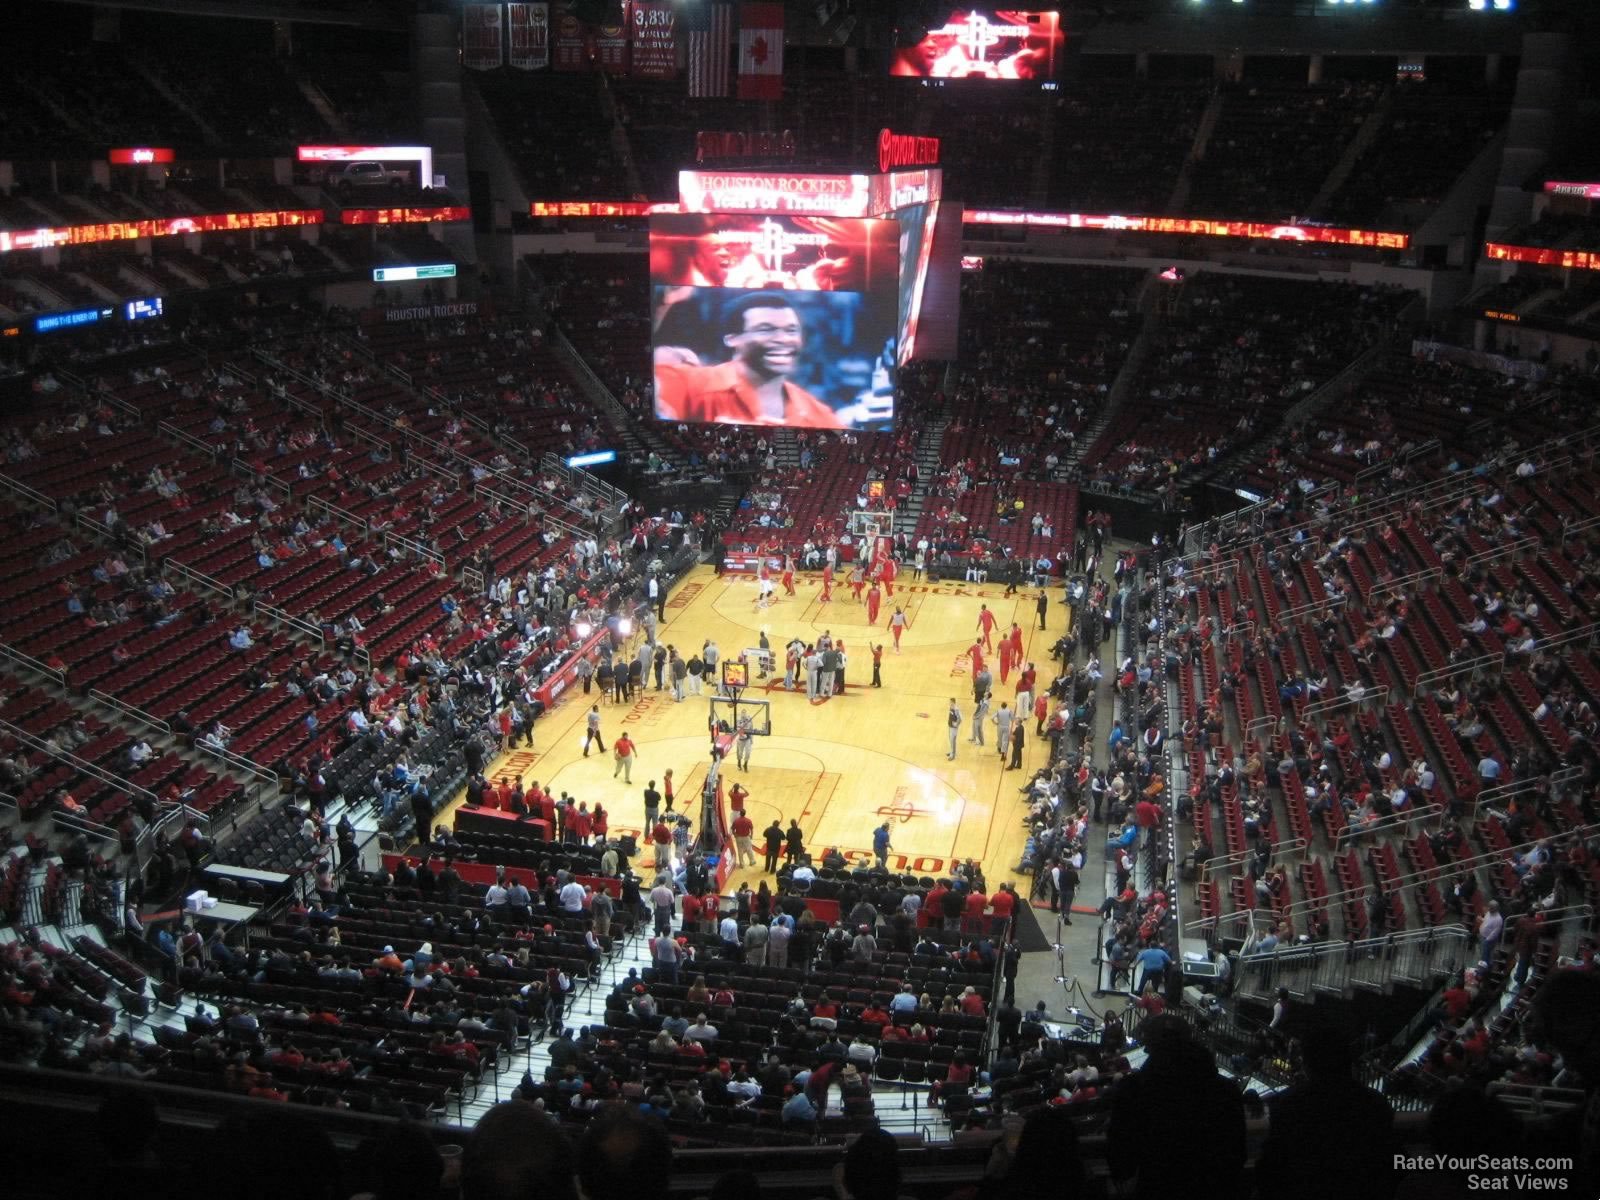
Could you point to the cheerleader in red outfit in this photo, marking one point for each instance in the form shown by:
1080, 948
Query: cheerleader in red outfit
874, 598
788, 575
827, 585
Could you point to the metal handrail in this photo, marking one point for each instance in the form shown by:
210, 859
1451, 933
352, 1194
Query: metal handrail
300, 624
1467, 666
1383, 824
337, 513
32, 495
413, 547
239, 763
1311, 607
1516, 787
72, 823
33, 664
1444, 871
1506, 550
129, 711
1334, 703
80, 764
1292, 845
188, 439
201, 579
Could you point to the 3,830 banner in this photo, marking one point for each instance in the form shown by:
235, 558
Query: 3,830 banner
654, 32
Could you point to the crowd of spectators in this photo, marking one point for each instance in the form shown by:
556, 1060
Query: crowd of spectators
1235, 357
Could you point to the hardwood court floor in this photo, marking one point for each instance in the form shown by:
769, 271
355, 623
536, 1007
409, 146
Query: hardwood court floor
840, 766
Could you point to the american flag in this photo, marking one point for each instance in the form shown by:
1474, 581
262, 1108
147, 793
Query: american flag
710, 28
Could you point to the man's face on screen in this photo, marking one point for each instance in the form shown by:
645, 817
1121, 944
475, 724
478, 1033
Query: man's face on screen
714, 258
770, 342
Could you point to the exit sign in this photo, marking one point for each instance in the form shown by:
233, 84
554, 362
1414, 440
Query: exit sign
403, 274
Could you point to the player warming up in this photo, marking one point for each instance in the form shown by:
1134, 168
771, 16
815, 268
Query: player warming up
986, 628
897, 626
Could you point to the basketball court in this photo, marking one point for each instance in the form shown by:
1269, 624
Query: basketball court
843, 765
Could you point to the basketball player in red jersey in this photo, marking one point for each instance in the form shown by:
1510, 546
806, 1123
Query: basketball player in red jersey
788, 574
874, 598
827, 585
986, 627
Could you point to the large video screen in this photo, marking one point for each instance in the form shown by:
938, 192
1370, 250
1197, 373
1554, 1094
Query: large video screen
812, 359
775, 319
916, 251
930, 281
976, 43
810, 254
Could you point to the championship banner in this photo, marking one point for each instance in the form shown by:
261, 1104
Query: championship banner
761, 51
571, 54
655, 39
482, 46
530, 36
611, 49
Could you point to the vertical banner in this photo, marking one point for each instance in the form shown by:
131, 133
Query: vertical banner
568, 48
655, 40
611, 48
530, 36
482, 46
709, 26
761, 51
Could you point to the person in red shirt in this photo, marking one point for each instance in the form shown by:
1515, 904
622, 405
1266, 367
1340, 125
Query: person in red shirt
736, 797
600, 824
977, 659
743, 837
693, 906
1146, 815
972, 1003
932, 910
1457, 1003
986, 627
490, 797
1025, 681
827, 585
975, 904
661, 839
1003, 902
875, 1014
766, 337
874, 600
582, 825
788, 575
1005, 658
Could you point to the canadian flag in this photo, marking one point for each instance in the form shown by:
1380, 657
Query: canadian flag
761, 52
